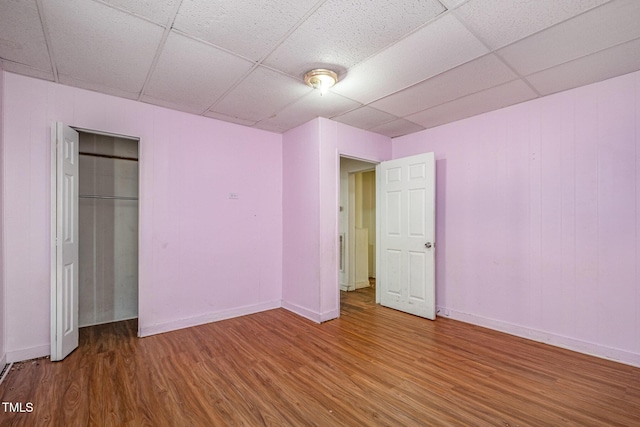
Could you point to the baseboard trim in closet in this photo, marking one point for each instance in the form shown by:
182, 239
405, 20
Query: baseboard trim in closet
107, 321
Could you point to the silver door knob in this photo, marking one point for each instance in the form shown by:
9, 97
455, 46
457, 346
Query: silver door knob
427, 245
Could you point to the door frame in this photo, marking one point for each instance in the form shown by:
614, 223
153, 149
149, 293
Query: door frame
351, 226
374, 163
53, 209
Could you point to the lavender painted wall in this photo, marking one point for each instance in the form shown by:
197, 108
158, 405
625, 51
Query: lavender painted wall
538, 218
310, 211
203, 256
301, 229
2, 180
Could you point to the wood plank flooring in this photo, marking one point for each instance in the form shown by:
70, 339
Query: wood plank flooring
373, 366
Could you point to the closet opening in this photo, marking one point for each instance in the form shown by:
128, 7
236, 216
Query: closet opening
107, 228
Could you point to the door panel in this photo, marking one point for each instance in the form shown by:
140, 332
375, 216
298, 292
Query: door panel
393, 271
406, 222
64, 310
417, 207
417, 291
393, 206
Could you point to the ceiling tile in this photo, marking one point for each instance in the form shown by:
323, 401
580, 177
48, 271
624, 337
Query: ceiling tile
97, 87
249, 28
94, 42
397, 128
451, 4
474, 76
274, 90
309, 107
500, 22
168, 104
440, 46
159, 11
608, 63
21, 36
189, 73
230, 119
607, 26
491, 99
14, 67
342, 33
364, 118
272, 127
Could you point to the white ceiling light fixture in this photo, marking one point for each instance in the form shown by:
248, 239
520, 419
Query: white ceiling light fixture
321, 79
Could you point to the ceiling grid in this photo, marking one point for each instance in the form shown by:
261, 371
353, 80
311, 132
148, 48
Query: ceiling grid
403, 65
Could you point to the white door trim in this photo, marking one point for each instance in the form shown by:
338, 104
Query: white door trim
373, 162
53, 209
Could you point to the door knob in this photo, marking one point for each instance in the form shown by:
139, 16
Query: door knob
427, 245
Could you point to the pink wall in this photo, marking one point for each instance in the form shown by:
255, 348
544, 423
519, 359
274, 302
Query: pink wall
301, 229
2, 309
310, 211
203, 257
538, 219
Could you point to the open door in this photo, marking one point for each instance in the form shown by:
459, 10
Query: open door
406, 234
64, 280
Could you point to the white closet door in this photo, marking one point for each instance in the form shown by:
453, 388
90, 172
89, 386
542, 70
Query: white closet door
406, 224
64, 301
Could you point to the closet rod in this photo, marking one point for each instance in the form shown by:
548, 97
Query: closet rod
90, 196
108, 156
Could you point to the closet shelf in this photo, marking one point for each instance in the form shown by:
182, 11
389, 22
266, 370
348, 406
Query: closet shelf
108, 156
91, 196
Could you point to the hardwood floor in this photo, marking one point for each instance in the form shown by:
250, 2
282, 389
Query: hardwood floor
355, 301
373, 366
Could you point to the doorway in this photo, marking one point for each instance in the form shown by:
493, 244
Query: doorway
405, 233
357, 234
94, 232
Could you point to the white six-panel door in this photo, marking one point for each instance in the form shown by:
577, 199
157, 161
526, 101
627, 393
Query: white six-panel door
64, 293
406, 230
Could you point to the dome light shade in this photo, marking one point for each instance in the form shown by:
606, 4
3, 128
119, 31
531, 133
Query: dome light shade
321, 79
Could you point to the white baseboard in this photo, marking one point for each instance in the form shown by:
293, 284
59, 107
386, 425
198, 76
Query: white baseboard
28, 353
363, 284
330, 315
311, 315
573, 344
301, 311
145, 331
347, 287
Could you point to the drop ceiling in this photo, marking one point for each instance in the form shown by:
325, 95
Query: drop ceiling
404, 65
